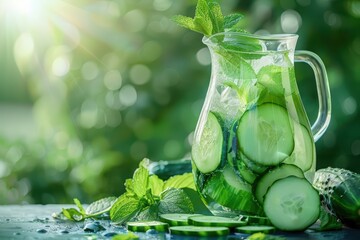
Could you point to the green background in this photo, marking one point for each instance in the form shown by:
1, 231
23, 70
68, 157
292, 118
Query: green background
88, 89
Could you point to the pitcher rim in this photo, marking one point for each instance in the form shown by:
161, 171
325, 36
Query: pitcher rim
266, 37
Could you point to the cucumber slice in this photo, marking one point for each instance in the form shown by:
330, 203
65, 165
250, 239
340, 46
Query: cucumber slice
207, 148
146, 225
232, 145
176, 219
229, 190
304, 150
264, 182
247, 168
255, 220
265, 134
199, 231
256, 168
215, 221
248, 175
292, 204
255, 229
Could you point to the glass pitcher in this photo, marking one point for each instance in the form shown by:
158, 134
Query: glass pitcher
253, 119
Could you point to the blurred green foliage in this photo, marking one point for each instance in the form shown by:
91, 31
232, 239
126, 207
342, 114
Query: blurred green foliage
89, 88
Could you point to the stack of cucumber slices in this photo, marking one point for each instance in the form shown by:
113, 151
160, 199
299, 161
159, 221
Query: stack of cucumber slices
202, 225
261, 170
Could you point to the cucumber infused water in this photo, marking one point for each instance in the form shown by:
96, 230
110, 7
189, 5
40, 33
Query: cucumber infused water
253, 134
252, 122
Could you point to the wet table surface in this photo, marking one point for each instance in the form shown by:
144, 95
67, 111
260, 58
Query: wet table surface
36, 222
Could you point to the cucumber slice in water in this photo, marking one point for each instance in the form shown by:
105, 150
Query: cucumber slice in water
147, 225
265, 134
215, 221
207, 150
248, 175
292, 204
255, 229
199, 231
304, 150
264, 182
235, 158
255, 167
229, 190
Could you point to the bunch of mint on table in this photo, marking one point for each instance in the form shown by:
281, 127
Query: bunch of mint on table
146, 197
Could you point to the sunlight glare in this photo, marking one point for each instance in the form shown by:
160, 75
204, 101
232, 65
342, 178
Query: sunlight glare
21, 8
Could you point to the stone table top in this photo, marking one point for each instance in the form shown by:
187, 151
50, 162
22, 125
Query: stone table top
36, 222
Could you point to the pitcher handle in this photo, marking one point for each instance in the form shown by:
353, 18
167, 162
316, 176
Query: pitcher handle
322, 85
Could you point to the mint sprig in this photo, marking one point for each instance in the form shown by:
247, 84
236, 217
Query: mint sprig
94, 210
209, 19
147, 196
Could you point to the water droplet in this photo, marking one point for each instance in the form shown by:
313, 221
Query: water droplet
151, 232
110, 234
41, 231
93, 227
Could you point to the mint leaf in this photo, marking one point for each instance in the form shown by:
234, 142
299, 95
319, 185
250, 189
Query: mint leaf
231, 20
156, 185
186, 22
175, 201
263, 236
271, 78
185, 180
100, 206
126, 236
149, 213
73, 214
129, 186
59, 216
202, 18
235, 67
79, 205
216, 16
93, 210
209, 19
140, 180
125, 208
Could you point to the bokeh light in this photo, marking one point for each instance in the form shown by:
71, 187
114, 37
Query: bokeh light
290, 21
